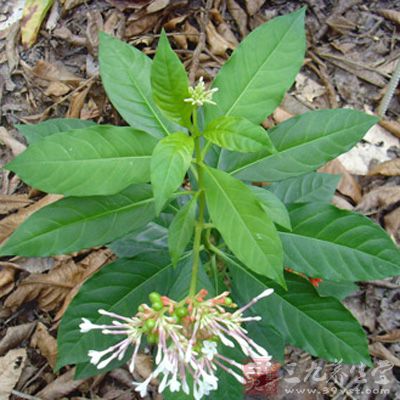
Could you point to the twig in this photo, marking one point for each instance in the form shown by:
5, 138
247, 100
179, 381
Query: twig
394, 81
202, 41
24, 396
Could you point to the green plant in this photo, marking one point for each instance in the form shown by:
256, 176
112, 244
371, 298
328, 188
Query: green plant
218, 234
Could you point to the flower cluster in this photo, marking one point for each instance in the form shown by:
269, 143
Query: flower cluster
187, 335
200, 95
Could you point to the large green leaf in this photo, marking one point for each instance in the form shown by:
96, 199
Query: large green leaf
339, 245
181, 229
33, 133
75, 223
322, 326
119, 287
274, 207
244, 224
304, 143
146, 239
170, 83
95, 161
306, 188
238, 134
254, 80
170, 160
125, 74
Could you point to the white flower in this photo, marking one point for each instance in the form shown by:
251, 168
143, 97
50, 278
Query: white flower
187, 344
200, 95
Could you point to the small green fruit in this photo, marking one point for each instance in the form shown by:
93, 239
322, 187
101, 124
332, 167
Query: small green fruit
150, 324
228, 301
155, 297
181, 312
157, 306
152, 338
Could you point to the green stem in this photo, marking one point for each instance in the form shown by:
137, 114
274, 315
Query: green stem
202, 203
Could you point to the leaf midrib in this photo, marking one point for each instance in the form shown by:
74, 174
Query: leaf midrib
259, 68
296, 147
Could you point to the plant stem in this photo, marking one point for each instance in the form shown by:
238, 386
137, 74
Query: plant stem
202, 203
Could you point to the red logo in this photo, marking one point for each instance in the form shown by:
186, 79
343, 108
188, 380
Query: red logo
261, 377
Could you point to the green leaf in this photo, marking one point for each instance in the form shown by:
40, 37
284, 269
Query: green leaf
181, 229
338, 245
254, 80
125, 74
75, 223
273, 206
170, 161
152, 237
243, 223
238, 134
36, 132
95, 161
170, 83
339, 290
304, 143
306, 188
322, 326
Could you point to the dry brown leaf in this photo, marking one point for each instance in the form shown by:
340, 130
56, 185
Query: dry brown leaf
387, 168
253, 6
11, 366
392, 224
379, 350
157, 5
390, 337
191, 32
15, 335
281, 115
225, 31
57, 89
77, 102
60, 387
33, 16
70, 4
7, 280
10, 223
94, 25
379, 199
392, 15
239, 16
46, 344
49, 290
218, 44
13, 144
13, 202
171, 24
53, 72
348, 186
92, 263
145, 24
181, 41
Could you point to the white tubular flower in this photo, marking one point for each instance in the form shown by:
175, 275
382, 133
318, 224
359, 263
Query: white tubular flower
187, 335
200, 95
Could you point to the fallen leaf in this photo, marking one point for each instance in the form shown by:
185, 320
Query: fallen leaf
32, 18
390, 337
347, 186
391, 15
60, 387
218, 44
379, 350
392, 224
157, 5
13, 144
70, 4
57, 89
7, 280
307, 89
387, 168
35, 265
10, 223
94, 25
15, 335
145, 24
239, 16
54, 72
77, 102
49, 290
171, 24
225, 31
379, 199
253, 6
46, 344
191, 32
92, 263
11, 366
13, 202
